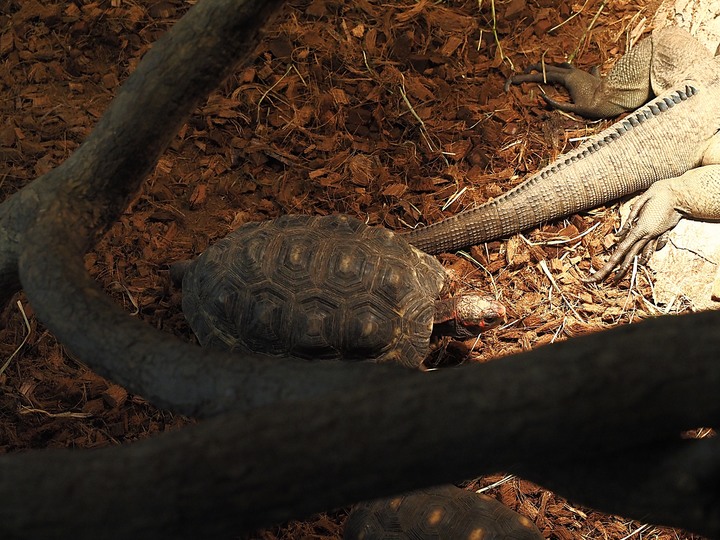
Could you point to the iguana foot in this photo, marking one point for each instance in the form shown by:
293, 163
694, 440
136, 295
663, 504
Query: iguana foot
626, 87
693, 194
652, 215
590, 95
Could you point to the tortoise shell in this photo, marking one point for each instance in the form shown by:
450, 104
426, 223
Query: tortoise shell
314, 287
444, 512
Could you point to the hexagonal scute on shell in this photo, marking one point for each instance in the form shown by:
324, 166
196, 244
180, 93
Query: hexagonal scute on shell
208, 303
337, 225
345, 267
316, 327
243, 255
430, 276
366, 523
441, 512
370, 329
392, 283
291, 257
413, 339
265, 321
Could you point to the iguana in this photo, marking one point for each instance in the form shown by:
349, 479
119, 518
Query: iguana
669, 145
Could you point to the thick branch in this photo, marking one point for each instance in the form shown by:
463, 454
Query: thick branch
222, 475
378, 429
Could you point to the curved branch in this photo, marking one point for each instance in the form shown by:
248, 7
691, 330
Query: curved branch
631, 366
379, 429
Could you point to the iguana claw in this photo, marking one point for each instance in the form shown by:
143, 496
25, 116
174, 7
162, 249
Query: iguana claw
652, 215
626, 88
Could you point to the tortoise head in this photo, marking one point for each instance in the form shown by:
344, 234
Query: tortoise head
466, 315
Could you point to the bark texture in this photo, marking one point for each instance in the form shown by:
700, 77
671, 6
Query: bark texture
576, 416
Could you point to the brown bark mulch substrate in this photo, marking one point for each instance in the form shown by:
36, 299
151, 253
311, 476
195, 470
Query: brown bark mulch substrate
392, 112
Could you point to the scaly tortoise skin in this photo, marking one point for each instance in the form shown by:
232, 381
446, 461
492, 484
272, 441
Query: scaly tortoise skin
444, 512
325, 288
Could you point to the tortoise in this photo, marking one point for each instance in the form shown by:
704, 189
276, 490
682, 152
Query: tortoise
325, 287
443, 512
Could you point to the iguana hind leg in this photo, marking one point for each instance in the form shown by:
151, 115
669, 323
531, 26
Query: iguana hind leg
626, 87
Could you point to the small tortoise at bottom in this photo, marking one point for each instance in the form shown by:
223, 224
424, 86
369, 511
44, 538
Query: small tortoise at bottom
325, 288
443, 512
